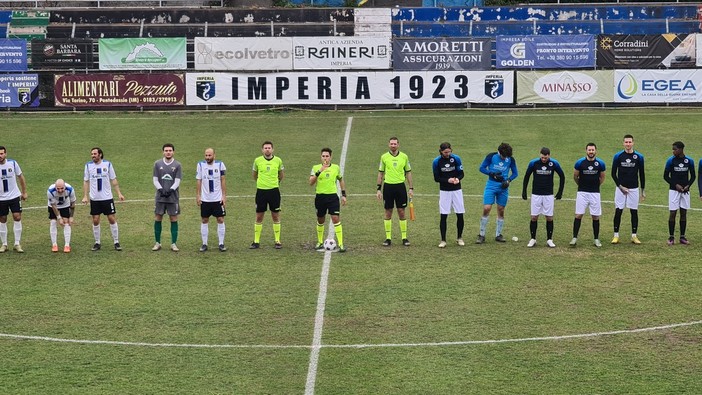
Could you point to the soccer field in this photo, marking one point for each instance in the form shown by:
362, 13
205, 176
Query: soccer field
491, 318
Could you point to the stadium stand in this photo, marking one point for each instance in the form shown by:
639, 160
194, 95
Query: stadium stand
190, 23
546, 19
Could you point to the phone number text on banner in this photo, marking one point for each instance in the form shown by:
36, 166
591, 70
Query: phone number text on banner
545, 52
13, 55
350, 88
112, 90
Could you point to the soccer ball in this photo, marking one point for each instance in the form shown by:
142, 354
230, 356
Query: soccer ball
329, 244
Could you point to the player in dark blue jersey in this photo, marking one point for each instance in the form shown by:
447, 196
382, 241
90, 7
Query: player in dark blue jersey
542, 198
680, 175
448, 172
627, 170
589, 174
501, 170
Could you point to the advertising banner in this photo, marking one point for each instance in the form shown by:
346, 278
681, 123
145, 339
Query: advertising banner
586, 86
674, 51
341, 53
112, 90
441, 54
62, 54
357, 88
142, 53
19, 90
545, 52
13, 55
657, 86
250, 54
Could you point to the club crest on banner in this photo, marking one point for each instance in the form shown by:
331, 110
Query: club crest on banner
494, 87
205, 88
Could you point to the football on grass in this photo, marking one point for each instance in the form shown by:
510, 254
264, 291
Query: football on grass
329, 244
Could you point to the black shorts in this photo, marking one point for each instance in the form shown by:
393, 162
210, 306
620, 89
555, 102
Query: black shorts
105, 207
65, 212
14, 205
327, 203
395, 195
212, 209
266, 198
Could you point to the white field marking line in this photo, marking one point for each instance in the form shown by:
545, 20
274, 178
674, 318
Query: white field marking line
358, 194
383, 345
323, 283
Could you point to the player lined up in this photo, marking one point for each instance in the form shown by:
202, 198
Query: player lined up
628, 174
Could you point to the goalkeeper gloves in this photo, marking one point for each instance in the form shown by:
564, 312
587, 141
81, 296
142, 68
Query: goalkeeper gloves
505, 184
496, 177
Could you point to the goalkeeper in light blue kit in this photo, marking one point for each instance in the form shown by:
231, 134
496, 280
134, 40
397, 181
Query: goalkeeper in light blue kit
501, 169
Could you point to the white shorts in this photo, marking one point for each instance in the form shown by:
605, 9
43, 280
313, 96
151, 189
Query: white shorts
449, 199
678, 200
542, 204
589, 200
630, 200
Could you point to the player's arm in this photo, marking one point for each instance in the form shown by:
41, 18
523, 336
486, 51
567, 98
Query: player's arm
667, 173
561, 182
615, 176
198, 196
379, 184
459, 168
576, 176
86, 188
693, 177
23, 186
525, 183
314, 175
342, 185
410, 183
223, 182
642, 178
281, 175
602, 177
115, 185
514, 172
485, 166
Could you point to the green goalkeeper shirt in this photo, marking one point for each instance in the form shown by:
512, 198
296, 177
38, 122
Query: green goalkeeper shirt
326, 181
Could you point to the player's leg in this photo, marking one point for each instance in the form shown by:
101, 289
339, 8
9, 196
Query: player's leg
261, 207
684, 206
320, 206
460, 209
275, 216
502, 196
335, 212
67, 231
401, 200
632, 203
221, 232
53, 231
174, 226
596, 212
16, 208
673, 206
619, 204
388, 204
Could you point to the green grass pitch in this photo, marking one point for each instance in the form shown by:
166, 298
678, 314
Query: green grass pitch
492, 318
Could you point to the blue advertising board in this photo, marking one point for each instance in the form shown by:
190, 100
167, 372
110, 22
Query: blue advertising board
545, 52
13, 55
19, 90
